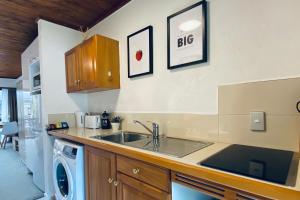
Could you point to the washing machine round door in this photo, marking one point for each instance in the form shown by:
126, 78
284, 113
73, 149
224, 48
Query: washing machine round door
63, 181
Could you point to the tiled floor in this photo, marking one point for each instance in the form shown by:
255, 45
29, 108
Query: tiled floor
15, 181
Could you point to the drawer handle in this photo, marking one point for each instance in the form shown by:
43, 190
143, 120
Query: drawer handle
135, 171
110, 180
116, 183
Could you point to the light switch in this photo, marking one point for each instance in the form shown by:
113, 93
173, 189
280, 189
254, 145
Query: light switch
257, 121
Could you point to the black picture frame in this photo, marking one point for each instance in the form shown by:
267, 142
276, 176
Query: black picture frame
204, 38
150, 29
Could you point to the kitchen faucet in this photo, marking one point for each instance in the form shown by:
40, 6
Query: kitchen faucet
154, 131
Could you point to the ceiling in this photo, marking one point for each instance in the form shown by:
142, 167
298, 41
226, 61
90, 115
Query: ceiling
18, 26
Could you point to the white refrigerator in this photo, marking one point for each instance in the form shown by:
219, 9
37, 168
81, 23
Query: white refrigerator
36, 143
31, 135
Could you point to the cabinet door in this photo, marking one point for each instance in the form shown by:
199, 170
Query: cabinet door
130, 188
88, 64
100, 169
108, 70
72, 59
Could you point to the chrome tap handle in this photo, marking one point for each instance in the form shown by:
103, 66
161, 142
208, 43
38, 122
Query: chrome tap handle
155, 129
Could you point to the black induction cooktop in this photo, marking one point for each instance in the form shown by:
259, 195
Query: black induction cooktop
256, 162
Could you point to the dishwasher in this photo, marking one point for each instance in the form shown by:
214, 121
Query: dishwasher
191, 188
182, 192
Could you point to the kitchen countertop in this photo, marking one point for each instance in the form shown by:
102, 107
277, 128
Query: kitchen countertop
188, 164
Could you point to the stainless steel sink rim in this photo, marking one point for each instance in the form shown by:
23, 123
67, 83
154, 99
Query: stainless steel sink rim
165, 145
124, 137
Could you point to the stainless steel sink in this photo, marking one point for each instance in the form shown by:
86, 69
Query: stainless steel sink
164, 145
175, 146
122, 137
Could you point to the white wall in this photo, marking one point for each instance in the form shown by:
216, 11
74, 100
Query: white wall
8, 82
249, 40
54, 41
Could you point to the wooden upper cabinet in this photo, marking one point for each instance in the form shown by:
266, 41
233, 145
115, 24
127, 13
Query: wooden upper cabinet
88, 60
108, 66
98, 65
100, 170
72, 69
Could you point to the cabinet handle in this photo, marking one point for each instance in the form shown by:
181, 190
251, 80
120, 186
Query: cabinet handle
110, 180
116, 183
109, 74
135, 171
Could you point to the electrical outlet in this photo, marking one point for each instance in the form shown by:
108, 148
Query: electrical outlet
257, 121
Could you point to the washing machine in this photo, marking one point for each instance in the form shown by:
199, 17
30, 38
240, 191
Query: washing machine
68, 170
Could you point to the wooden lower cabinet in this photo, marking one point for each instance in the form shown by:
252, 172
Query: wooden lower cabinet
105, 182
114, 177
100, 173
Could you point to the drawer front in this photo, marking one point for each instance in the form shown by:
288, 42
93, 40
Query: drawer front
133, 189
153, 175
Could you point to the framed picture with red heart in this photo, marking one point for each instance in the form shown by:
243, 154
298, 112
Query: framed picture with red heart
140, 52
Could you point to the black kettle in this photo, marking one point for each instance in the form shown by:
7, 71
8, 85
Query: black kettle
105, 123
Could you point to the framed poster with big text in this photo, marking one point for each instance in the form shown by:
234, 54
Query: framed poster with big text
187, 36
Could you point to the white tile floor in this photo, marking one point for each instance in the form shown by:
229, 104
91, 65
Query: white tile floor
16, 176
